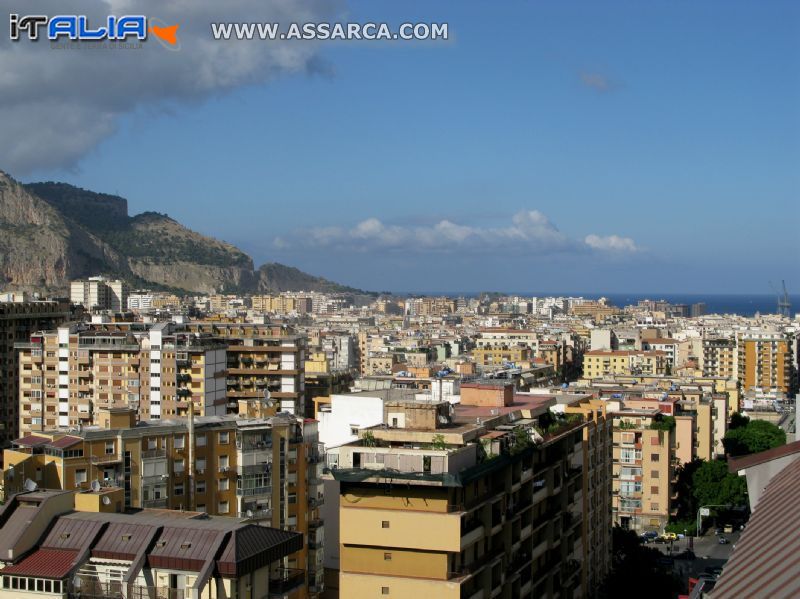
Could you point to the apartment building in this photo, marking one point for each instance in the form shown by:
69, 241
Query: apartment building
643, 469
468, 501
494, 356
720, 357
597, 487
67, 375
160, 369
600, 363
61, 544
765, 361
18, 320
263, 470
668, 346
282, 304
99, 293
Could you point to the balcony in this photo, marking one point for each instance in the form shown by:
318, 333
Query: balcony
265, 514
154, 454
285, 580
253, 491
473, 531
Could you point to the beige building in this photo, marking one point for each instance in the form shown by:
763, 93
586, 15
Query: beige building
267, 471
601, 363
99, 293
421, 512
643, 470
58, 544
720, 357
18, 320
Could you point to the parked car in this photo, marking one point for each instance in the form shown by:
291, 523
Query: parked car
728, 528
669, 536
719, 531
722, 541
648, 536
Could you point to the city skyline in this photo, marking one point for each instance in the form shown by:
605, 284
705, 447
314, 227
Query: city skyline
613, 148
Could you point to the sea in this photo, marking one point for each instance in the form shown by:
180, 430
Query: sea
716, 303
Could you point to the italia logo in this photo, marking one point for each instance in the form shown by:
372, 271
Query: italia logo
78, 28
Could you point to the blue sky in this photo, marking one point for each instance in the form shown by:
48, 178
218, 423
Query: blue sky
666, 130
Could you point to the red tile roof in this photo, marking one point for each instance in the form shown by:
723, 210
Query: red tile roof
766, 560
65, 442
32, 441
45, 563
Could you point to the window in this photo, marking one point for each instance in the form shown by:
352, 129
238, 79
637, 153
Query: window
178, 466
223, 507
384, 590
151, 443
223, 463
653, 490
223, 485
200, 465
654, 507
200, 441
629, 456
201, 487
654, 457
179, 489
179, 442
387, 557
654, 474
80, 476
109, 447
384, 524
223, 438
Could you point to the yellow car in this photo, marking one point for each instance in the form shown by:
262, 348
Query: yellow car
669, 536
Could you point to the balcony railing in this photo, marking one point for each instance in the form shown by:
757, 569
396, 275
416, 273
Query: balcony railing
265, 490
94, 589
285, 580
154, 453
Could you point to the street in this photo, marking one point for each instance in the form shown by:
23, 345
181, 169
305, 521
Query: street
708, 554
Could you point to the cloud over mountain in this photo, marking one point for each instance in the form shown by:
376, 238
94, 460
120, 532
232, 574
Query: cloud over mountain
57, 104
528, 229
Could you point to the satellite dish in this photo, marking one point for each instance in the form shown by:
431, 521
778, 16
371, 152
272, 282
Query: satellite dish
95, 485
249, 513
106, 500
29, 485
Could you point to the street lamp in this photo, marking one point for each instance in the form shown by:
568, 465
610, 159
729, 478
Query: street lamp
705, 511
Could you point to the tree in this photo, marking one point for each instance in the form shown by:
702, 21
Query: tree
635, 568
712, 484
686, 502
738, 421
753, 437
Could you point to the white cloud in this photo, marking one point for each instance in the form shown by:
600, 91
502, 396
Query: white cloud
528, 230
57, 105
613, 243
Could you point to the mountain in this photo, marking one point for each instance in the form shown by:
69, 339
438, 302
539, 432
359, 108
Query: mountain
53, 232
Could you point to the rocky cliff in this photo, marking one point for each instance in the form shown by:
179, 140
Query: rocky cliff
53, 232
